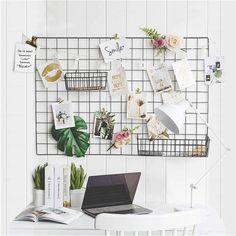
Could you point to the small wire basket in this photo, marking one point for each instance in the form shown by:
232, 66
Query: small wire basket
175, 146
85, 80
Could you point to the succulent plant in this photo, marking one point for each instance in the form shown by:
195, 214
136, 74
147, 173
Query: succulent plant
106, 116
39, 177
77, 177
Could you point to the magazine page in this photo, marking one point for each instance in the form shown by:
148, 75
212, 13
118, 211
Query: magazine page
61, 215
30, 214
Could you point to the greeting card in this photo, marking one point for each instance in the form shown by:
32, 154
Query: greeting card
214, 67
183, 74
160, 78
117, 80
24, 58
136, 105
51, 73
114, 49
63, 115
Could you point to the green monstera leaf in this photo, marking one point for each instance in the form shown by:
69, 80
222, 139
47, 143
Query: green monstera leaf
72, 140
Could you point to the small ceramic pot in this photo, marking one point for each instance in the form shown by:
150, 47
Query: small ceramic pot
77, 196
38, 197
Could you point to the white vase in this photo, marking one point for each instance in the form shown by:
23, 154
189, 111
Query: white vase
38, 197
76, 197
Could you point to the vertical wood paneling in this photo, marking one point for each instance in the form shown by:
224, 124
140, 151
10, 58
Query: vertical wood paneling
3, 83
133, 24
96, 26
213, 180
116, 23
116, 17
76, 26
16, 114
56, 25
156, 15
36, 25
76, 18
228, 116
155, 169
56, 17
197, 15
176, 19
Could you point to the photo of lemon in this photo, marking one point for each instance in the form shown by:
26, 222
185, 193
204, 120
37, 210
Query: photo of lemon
52, 72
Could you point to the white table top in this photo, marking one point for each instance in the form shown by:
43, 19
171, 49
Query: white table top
212, 224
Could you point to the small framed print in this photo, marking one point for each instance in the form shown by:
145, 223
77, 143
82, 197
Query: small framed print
160, 78
51, 73
117, 80
183, 74
104, 123
102, 129
214, 67
156, 130
114, 49
136, 105
63, 115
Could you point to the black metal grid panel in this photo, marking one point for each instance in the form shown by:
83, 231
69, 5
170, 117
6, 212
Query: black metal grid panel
86, 103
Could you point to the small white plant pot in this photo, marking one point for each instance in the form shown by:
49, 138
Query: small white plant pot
76, 197
38, 197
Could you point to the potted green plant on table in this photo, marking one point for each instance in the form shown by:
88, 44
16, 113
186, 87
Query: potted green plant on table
39, 185
76, 185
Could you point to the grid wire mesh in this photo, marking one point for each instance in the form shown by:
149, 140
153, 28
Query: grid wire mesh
86, 103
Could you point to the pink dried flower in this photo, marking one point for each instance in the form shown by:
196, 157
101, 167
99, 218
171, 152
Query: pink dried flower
119, 137
159, 43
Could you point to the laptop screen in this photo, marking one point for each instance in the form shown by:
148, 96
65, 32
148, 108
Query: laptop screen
110, 190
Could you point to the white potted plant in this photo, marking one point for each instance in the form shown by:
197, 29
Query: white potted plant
39, 185
76, 185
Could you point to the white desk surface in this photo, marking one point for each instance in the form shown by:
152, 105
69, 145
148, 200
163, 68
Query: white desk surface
212, 224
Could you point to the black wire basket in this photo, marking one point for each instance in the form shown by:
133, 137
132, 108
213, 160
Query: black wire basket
85, 80
175, 146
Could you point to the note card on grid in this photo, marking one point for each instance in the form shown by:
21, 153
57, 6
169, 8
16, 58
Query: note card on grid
24, 58
114, 49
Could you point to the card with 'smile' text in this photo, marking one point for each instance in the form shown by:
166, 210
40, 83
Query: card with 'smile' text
114, 49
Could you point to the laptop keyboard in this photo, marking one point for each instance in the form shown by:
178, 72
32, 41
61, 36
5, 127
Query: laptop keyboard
112, 208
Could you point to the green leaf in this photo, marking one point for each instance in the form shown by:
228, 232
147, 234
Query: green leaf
152, 33
72, 141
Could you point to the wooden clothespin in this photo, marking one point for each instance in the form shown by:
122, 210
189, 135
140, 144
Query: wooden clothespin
32, 42
116, 36
60, 100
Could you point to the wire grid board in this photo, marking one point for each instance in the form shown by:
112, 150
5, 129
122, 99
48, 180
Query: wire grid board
88, 102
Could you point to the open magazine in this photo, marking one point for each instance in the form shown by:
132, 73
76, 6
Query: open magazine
60, 215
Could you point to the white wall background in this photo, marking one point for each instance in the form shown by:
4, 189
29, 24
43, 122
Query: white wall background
164, 180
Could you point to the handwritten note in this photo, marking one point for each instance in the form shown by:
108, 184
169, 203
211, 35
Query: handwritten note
24, 58
113, 49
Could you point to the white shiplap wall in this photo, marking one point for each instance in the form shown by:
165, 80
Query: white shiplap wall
163, 179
